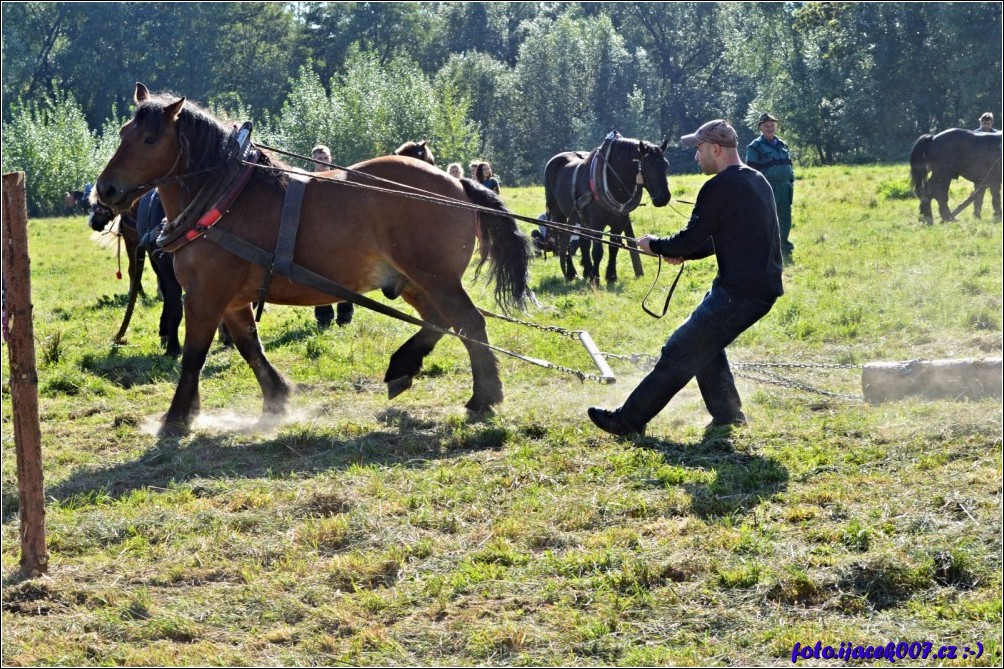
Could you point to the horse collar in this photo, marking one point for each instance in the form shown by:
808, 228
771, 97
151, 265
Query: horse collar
178, 233
599, 184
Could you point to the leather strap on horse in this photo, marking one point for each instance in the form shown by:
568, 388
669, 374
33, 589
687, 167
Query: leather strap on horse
282, 259
177, 234
247, 251
599, 182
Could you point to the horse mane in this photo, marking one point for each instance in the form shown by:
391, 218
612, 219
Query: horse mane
205, 137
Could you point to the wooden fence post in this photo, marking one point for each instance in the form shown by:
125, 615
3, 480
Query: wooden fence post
23, 375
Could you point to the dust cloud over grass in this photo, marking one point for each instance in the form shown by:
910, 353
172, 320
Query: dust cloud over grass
365, 531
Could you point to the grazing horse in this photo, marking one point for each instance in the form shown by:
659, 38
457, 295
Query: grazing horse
228, 233
952, 154
419, 150
76, 201
600, 190
163, 267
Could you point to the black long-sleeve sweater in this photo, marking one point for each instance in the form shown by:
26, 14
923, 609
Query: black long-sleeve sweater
735, 218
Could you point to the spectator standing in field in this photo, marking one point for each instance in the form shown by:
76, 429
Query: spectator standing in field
455, 170
987, 124
325, 314
769, 155
484, 176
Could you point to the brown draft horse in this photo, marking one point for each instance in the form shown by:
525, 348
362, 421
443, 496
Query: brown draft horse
358, 237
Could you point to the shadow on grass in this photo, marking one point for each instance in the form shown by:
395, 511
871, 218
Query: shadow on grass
739, 482
299, 450
127, 371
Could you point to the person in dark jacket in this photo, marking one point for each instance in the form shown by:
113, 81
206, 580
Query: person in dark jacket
325, 313
735, 219
770, 155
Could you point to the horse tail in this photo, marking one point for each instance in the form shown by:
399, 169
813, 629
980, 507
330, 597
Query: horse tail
918, 163
504, 248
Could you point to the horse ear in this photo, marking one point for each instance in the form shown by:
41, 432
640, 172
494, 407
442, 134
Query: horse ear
142, 93
173, 110
665, 143
422, 143
641, 146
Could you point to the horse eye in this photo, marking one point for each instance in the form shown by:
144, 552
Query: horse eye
150, 139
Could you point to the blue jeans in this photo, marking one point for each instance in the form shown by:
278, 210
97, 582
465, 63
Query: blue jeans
697, 349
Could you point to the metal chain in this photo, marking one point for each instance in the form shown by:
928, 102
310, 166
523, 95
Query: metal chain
648, 361
571, 334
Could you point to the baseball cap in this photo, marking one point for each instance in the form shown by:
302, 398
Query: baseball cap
714, 132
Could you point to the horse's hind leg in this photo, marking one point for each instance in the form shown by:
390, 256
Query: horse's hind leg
275, 389
939, 190
452, 307
456, 305
406, 361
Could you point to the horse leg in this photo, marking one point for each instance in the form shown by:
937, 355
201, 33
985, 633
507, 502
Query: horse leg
995, 198
200, 327
566, 257
406, 361
978, 202
467, 320
939, 189
589, 269
172, 311
450, 306
925, 208
275, 389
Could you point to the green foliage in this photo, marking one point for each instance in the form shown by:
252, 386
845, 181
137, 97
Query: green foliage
50, 141
514, 83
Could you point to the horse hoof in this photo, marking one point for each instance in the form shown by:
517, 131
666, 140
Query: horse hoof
173, 429
398, 386
482, 405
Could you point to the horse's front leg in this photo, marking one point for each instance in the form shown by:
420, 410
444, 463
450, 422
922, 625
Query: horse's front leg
611, 273
200, 328
275, 389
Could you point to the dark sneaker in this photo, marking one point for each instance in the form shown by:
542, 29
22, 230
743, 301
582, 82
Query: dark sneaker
610, 421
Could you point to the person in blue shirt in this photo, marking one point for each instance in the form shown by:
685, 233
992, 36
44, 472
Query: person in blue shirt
483, 175
769, 155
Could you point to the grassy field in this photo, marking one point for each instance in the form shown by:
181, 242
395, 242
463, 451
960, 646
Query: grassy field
375, 532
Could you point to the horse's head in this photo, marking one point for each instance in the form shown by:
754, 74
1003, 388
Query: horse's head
418, 150
150, 148
654, 170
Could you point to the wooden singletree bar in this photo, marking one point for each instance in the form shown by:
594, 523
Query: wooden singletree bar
23, 375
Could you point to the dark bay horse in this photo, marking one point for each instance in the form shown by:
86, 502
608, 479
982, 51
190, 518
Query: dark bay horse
599, 190
420, 150
349, 233
952, 154
163, 267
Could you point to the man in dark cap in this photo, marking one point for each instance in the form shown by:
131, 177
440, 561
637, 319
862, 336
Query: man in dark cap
769, 154
735, 219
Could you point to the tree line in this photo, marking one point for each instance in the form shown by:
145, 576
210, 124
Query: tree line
510, 82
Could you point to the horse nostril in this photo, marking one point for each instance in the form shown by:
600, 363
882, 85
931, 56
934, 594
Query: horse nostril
105, 191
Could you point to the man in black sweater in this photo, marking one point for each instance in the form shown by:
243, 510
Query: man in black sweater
735, 219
